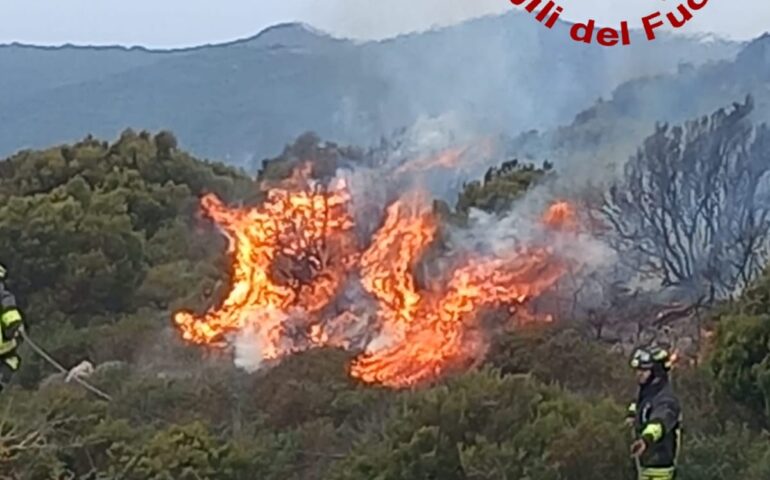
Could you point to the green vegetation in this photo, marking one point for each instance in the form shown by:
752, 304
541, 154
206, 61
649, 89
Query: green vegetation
501, 187
103, 243
495, 193
101, 240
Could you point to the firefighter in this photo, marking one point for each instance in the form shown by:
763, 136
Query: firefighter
11, 324
655, 416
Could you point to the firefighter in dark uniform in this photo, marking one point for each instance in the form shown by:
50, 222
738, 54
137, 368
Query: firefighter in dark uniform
10, 328
655, 416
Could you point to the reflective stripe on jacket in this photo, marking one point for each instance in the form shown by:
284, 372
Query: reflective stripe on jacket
10, 321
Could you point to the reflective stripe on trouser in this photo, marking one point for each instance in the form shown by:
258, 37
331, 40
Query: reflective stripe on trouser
656, 474
8, 367
12, 361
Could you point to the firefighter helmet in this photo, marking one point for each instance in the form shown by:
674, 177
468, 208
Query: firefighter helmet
649, 358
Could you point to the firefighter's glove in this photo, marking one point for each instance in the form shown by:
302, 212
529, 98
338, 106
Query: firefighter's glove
638, 448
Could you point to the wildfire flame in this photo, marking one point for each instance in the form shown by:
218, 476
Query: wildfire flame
441, 334
387, 265
292, 254
561, 215
292, 251
449, 158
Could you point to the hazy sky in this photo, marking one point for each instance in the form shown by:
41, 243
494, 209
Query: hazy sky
175, 23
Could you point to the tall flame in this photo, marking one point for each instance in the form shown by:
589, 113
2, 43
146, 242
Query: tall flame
387, 265
309, 228
292, 255
441, 333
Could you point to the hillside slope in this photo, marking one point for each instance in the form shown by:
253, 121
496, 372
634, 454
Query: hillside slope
248, 98
605, 134
103, 242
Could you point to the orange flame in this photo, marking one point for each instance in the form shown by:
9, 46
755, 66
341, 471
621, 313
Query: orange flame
449, 158
293, 253
288, 236
441, 333
387, 265
561, 215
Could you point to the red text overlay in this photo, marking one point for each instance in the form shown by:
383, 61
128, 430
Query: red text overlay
548, 11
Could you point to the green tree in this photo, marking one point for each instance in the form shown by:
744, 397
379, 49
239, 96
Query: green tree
500, 187
323, 157
741, 359
165, 142
481, 425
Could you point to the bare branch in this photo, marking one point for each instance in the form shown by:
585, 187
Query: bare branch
691, 206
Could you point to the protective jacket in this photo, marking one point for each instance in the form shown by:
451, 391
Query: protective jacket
10, 323
657, 420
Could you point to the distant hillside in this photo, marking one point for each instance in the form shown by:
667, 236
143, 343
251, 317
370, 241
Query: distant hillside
608, 132
247, 99
29, 70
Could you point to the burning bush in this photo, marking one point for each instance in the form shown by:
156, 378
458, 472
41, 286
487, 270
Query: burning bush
297, 262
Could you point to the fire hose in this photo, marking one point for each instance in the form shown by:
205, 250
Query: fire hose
40, 351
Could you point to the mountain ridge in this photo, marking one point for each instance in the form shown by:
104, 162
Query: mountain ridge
608, 132
309, 28
119, 47
249, 98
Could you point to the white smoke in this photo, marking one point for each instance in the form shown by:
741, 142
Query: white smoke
379, 20
248, 350
253, 343
433, 133
522, 226
436, 155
